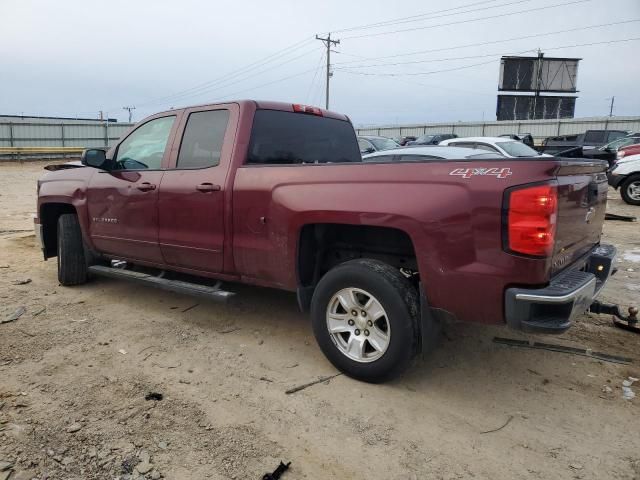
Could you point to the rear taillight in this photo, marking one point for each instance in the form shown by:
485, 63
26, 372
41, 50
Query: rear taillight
531, 215
307, 109
620, 154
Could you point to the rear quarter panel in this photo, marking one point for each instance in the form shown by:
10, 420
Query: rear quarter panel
454, 223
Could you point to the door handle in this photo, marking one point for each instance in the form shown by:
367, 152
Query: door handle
146, 186
208, 187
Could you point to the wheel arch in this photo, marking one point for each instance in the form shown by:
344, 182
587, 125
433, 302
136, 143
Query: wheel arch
322, 246
49, 213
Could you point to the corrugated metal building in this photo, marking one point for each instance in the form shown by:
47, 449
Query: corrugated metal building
18, 131
539, 129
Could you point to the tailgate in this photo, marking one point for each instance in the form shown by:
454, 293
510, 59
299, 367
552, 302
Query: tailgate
582, 201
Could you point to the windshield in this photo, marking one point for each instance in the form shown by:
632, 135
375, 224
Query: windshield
384, 143
517, 149
619, 143
425, 138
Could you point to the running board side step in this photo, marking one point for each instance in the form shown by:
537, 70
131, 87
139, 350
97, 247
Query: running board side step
178, 286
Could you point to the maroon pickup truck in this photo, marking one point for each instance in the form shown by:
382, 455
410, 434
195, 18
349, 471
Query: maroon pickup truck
277, 195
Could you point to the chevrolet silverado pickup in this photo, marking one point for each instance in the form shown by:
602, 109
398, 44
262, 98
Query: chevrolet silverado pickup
380, 253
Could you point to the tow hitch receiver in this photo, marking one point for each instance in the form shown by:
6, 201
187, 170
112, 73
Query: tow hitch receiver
628, 322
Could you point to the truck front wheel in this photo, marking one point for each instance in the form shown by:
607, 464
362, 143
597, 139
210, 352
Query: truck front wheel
72, 266
365, 319
630, 190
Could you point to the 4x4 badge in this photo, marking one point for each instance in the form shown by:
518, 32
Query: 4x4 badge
469, 172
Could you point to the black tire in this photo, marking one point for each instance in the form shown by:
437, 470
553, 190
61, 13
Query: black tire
396, 295
72, 264
626, 186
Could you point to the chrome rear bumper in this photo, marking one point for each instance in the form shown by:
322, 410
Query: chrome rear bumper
552, 309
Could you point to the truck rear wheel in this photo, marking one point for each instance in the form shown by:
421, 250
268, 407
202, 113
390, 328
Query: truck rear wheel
365, 319
630, 190
72, 265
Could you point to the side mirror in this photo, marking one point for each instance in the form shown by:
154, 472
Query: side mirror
367, 150
94, 157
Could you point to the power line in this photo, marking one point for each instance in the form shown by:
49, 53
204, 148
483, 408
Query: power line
491, 42
201, 88
225, 84
264, 84
429, 15
313, 80
466, 21
234, 73
447, 59
354, 72
485, 63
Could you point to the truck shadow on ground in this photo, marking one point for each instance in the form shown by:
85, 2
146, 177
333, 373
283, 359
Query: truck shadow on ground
465, 364
465, 360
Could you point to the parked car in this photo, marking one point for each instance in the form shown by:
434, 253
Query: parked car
504, 146
586, 140
609, 152
625, 174
370, 144
277, 195
627, 150
402, 141
430, 152
432, 138
525, 138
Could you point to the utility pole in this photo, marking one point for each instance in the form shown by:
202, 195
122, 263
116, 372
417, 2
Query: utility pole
328, 42
611, 107
538, 82
129, 109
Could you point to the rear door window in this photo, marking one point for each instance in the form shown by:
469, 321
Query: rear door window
288, 138
487, 147
463, 144
595, 136
364, 145
203, 137
614, 135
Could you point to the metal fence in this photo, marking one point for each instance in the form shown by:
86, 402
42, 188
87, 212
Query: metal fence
539, 129
60, 134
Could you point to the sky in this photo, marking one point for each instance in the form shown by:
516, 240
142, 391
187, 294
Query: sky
77, 57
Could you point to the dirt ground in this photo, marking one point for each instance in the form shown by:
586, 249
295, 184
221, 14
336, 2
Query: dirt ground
76, 367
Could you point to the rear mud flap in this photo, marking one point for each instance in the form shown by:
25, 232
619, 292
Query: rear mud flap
431, 321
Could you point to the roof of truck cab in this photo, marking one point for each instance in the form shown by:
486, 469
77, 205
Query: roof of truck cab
265, 105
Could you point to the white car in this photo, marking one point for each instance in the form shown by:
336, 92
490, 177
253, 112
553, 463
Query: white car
625, 175
502, 145
429, 152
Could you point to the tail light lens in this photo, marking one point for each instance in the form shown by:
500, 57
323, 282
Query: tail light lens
531, 218
620, 154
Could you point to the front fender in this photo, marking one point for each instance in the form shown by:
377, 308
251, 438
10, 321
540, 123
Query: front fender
66, 187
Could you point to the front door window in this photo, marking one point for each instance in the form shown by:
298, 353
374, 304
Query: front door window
145, 147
